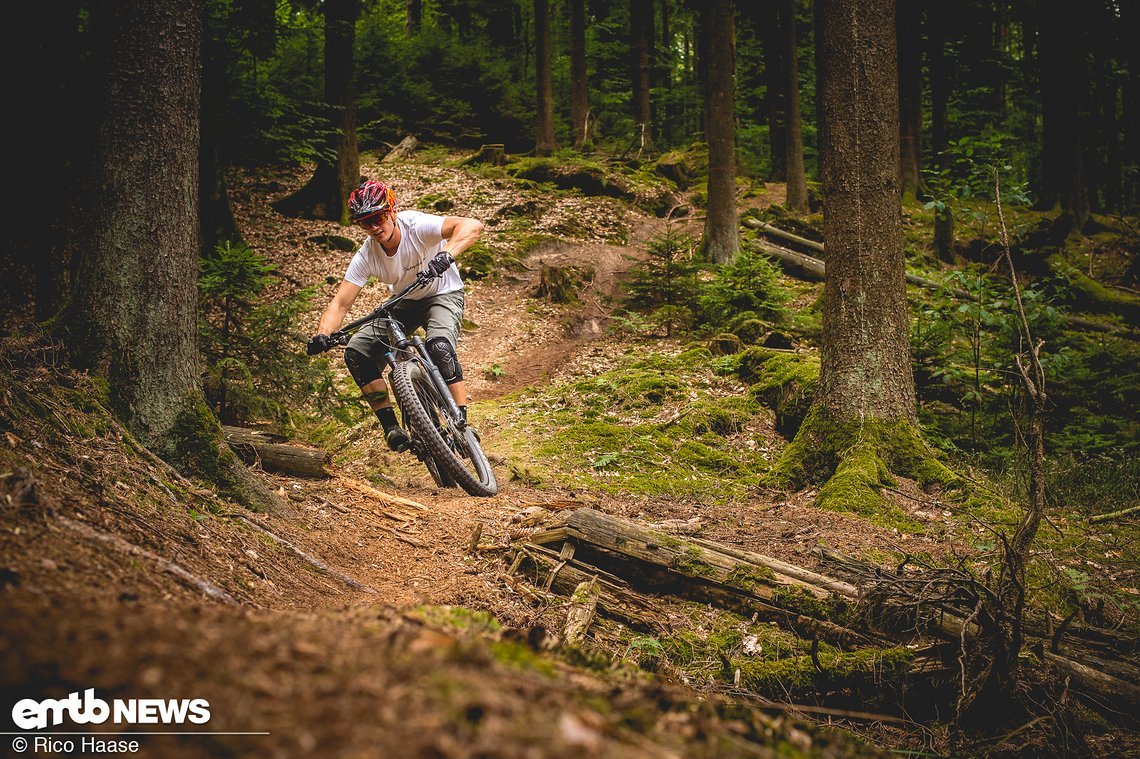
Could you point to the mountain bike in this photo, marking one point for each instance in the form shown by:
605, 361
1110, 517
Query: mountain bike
440, 436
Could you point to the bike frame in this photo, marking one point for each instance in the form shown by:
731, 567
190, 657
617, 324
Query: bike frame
402, 343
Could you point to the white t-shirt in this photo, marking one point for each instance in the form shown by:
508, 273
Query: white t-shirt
420, 239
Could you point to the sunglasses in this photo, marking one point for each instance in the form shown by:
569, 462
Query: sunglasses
373, 220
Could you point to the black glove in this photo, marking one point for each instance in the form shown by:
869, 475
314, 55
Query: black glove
319, 344
441, 263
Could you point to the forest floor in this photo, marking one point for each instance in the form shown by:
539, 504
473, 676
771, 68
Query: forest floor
412, 645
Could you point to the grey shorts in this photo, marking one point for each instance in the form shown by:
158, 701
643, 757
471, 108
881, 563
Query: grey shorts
439, 315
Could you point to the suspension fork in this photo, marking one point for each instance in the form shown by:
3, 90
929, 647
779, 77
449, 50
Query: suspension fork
437, 379
401, 341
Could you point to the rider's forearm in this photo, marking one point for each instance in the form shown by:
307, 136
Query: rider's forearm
332, 319
465, 235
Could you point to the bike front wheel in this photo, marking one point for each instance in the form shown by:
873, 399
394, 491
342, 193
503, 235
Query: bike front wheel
456, 452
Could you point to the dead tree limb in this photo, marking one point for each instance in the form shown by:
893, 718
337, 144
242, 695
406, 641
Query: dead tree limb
119, 544
1114, 515
349, 581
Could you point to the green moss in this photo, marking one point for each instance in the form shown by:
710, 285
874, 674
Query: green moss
866, 669
691, 562
196, 442
196, 448
1092, 295
749, 578
458, 618
521, 657
854, 460
751, 331
724, 344
785, 382
834, 609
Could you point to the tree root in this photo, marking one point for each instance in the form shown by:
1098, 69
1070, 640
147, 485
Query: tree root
855, 461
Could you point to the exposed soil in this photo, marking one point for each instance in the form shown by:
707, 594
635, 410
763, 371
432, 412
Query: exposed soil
323, 666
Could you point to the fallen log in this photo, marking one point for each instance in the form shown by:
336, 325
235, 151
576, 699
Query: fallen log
1114, 515
272, 452
766, 228
404, 149
812, 269
955, 628
615, 599
784, 568
799, 265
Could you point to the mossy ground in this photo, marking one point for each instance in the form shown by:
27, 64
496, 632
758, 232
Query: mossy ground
656, 423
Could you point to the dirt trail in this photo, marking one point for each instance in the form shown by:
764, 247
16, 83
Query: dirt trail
423, 558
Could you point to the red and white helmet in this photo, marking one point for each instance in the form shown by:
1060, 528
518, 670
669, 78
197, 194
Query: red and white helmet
371, 197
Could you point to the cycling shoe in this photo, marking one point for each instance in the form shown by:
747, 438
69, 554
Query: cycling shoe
398, 440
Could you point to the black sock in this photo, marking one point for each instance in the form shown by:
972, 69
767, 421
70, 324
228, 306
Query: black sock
387, 417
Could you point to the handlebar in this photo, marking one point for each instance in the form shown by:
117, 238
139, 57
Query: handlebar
342, 335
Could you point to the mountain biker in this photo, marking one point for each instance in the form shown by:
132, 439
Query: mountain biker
398, 246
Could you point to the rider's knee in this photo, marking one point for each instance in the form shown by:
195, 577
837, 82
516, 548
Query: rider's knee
442, 352
362, 368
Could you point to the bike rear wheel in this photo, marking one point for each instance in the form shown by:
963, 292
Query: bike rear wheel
458, 454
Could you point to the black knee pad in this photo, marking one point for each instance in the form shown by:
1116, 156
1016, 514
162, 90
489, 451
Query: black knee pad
362, 368
441, 352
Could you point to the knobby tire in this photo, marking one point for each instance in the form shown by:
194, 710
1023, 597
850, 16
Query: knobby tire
411, 383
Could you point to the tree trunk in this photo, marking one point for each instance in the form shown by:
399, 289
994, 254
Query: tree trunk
544, 141
325, 196
940, 86
579, 92
666, 60
134, 307
865, 356
133, 313
909, 37
797, 198
721, 238
1064, 83
1130, 30
818, 22
51, 144
641, 40
413, 15
775, 76
217, 217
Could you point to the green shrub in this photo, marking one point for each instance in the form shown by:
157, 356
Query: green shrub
256, 367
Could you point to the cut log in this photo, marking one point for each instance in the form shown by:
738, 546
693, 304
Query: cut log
580, 615
493, 154
402, 151
271, 452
